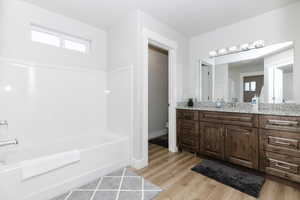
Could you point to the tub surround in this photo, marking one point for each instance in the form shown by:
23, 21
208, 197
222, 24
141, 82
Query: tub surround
267, 140
99, 155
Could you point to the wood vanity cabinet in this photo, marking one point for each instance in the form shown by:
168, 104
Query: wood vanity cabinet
212, 140
188, 130
280, 146
227, 136
267, 143
241, 146
230, 136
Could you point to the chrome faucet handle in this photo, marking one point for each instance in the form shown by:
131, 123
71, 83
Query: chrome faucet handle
8, 142
4, 123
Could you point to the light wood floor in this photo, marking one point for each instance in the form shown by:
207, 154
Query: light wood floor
171, 171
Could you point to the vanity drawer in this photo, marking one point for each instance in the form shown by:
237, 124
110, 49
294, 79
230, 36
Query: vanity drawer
239, 119
190, 141
188, 115
284, 142
280, 123
282, 162
281, 142
188, 135
187, 127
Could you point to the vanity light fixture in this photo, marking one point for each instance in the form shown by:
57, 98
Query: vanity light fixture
236, 49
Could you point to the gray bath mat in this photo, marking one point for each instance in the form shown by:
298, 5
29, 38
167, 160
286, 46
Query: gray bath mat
119, 185
230, 175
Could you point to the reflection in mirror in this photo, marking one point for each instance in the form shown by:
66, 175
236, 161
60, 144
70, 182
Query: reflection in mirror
266, 73
246, 80
206, 79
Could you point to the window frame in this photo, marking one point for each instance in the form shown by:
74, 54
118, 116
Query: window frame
62, 37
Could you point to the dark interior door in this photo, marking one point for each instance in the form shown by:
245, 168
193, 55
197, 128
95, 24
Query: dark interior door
252, 86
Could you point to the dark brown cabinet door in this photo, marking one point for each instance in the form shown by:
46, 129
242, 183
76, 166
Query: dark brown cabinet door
212, 140
241, 146
188, 135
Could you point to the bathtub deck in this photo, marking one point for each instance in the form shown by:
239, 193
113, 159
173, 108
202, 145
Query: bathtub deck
171, 171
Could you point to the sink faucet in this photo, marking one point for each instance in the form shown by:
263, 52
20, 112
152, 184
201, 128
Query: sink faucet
234, 102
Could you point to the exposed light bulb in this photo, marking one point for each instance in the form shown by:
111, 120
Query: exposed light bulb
251, 46
107, 91
213, 53
222, 51
245, 47
259, 44
233, 49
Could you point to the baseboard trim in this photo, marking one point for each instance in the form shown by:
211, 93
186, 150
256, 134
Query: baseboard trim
156, 134
139, 164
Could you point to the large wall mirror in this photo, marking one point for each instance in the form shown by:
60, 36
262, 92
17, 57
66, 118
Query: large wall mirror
266, 73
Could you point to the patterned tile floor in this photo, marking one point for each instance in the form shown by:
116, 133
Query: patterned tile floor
120, 185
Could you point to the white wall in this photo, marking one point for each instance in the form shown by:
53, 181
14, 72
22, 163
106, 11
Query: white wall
125, 49
156, 26
148, 22
272, 61
55, 93
235, 88
288, 87
16, 40
122, 42
158, 92
122, 53
276, 26
221, 82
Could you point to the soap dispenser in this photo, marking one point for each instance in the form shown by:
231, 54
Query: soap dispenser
254, 103
218, 103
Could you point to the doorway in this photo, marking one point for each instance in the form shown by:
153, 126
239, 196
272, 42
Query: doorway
150, 37
158, 96
206, 93
252, 87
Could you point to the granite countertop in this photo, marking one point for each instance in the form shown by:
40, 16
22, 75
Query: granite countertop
290, 112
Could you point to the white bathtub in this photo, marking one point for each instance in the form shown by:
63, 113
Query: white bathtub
99, 155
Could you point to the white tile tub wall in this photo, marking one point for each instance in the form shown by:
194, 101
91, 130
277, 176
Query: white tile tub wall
50, 110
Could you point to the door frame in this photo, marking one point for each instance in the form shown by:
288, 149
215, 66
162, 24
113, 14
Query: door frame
198, 91
150, 37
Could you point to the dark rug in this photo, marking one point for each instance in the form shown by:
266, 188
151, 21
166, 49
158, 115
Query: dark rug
161, 141
244, 181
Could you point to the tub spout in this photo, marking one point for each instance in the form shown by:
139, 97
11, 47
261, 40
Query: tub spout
8, 142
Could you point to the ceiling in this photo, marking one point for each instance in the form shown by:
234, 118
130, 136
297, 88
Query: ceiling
190, 17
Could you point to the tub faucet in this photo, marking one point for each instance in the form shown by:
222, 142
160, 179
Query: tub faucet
8, 142
4, 123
